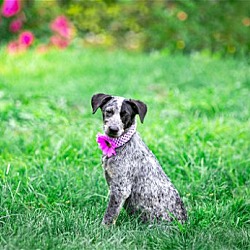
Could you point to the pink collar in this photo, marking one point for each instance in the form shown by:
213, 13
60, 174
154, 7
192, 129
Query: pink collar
108, 144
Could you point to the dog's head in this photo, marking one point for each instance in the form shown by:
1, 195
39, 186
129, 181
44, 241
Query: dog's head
118, 113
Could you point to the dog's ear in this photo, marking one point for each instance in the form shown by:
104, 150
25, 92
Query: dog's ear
139, 107
99, 100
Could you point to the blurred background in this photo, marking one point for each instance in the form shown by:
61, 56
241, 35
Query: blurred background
171, 26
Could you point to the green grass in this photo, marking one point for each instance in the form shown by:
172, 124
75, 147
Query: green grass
53, 193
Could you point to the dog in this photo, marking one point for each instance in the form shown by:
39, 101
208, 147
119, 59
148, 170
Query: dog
135, 178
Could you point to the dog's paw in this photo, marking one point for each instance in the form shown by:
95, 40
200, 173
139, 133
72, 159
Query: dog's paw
108, 223
105, 225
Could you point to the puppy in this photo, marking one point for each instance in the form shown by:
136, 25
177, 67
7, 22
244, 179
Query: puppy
134, 176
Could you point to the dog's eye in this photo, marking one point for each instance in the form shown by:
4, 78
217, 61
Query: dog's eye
123, 113
109, 112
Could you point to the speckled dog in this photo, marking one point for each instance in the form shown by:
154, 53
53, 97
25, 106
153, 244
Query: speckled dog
135, 177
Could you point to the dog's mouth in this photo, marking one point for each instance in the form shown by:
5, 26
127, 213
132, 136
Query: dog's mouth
112, 135
113, 131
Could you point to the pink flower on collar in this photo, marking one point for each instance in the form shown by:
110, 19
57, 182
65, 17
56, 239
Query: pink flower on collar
106, 145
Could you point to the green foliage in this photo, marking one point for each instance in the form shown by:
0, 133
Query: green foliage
52, 190
217, 26
36, 16
173, 26
39, 15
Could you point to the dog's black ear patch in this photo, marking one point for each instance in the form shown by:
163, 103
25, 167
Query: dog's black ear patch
99, 100
139, 107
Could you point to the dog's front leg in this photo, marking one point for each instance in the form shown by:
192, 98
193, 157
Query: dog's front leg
117, 198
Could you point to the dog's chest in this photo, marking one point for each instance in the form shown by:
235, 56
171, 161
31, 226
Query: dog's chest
108, 169
120, 166
111, 168
128, 160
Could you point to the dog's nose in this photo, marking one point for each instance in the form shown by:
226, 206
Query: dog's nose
113, 129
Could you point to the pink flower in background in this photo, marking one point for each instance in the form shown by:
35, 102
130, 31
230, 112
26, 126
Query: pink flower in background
62, 26
15, 47
12, 47
16, 25
24, 41
63, 32
11, 7
26, 38
59, 42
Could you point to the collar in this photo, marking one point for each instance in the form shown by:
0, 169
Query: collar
108, 144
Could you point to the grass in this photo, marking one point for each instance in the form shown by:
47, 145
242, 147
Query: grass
53, 193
